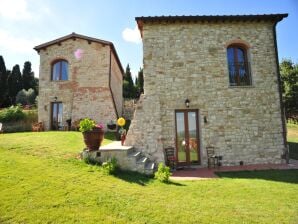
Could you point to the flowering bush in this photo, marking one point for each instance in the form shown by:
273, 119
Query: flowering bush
87, 124
100, 125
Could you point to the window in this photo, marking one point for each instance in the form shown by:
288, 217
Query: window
60, 70
239, 74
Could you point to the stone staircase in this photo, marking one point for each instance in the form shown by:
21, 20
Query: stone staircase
128, 158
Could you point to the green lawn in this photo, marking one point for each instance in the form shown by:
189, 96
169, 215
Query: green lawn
41, 181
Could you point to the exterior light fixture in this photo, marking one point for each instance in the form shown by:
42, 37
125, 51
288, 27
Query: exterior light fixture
205, 120
187, 103
55, 98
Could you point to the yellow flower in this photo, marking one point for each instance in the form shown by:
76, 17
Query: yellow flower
121, 121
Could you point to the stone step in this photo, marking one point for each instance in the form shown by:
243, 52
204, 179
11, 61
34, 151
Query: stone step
142, 160
136, 155
150, 166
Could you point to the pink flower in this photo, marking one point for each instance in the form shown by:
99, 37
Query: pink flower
100, 125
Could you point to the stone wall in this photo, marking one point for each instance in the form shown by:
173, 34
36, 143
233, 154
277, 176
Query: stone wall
188, 60
129, 106
86, 93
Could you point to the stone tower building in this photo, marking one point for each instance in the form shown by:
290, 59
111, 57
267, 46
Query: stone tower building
211, 81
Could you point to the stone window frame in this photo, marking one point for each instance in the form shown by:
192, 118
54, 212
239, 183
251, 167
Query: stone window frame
245, 46
55, 61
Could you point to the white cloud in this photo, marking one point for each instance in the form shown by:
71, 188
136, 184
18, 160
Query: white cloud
16, 44
14, 9
132, 35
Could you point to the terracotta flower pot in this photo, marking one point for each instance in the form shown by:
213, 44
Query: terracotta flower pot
93, 138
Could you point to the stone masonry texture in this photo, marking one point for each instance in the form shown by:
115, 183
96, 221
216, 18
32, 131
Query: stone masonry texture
87, 92
188, 61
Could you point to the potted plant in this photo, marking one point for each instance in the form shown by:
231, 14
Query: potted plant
111, 125
122, 131
93, 134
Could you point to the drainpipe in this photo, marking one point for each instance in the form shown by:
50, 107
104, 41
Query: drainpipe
110, 77
282, 111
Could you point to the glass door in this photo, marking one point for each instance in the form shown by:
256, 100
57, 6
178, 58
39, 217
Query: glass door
56, 119
187, 137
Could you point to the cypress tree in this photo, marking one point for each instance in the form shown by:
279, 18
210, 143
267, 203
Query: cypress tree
14, 82
28, 76
128, 85
3, 81
141, 81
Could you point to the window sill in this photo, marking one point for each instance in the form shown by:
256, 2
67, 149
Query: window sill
250, 86
59, 80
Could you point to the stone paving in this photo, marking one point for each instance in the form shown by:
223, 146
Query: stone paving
206, 173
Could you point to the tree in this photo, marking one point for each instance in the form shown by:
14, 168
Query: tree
28, 76
129, 90
14, 82
26, 97
35, 85
140, 83
3, 81
289, 78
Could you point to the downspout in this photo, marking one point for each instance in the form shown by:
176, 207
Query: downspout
282, 111
110, 77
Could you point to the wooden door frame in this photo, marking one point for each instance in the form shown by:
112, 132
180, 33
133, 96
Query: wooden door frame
185, 111
51, 113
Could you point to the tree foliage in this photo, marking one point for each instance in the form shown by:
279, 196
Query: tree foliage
28, 76
12, 82
129, 90
3, 81
26, 97
289, 78
140, 81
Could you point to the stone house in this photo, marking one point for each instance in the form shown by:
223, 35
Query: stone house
211, 81
79, 77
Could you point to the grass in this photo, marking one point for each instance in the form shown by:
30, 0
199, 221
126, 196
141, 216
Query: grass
293, 140
41, 181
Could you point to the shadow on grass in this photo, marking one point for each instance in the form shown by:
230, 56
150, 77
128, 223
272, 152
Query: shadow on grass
287, 176
138, 178
293, 147
133, 177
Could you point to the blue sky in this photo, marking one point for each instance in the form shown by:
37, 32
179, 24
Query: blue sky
27, 23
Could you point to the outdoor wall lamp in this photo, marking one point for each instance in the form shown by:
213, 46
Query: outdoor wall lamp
55, 98
205, 120
187, 103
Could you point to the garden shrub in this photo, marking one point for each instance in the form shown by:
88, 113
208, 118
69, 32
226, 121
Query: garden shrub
163, 173
110, 166
20, 126
13, 113
16, 120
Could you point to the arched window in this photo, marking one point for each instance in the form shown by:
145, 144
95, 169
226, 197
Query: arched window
239, 72
60, 70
